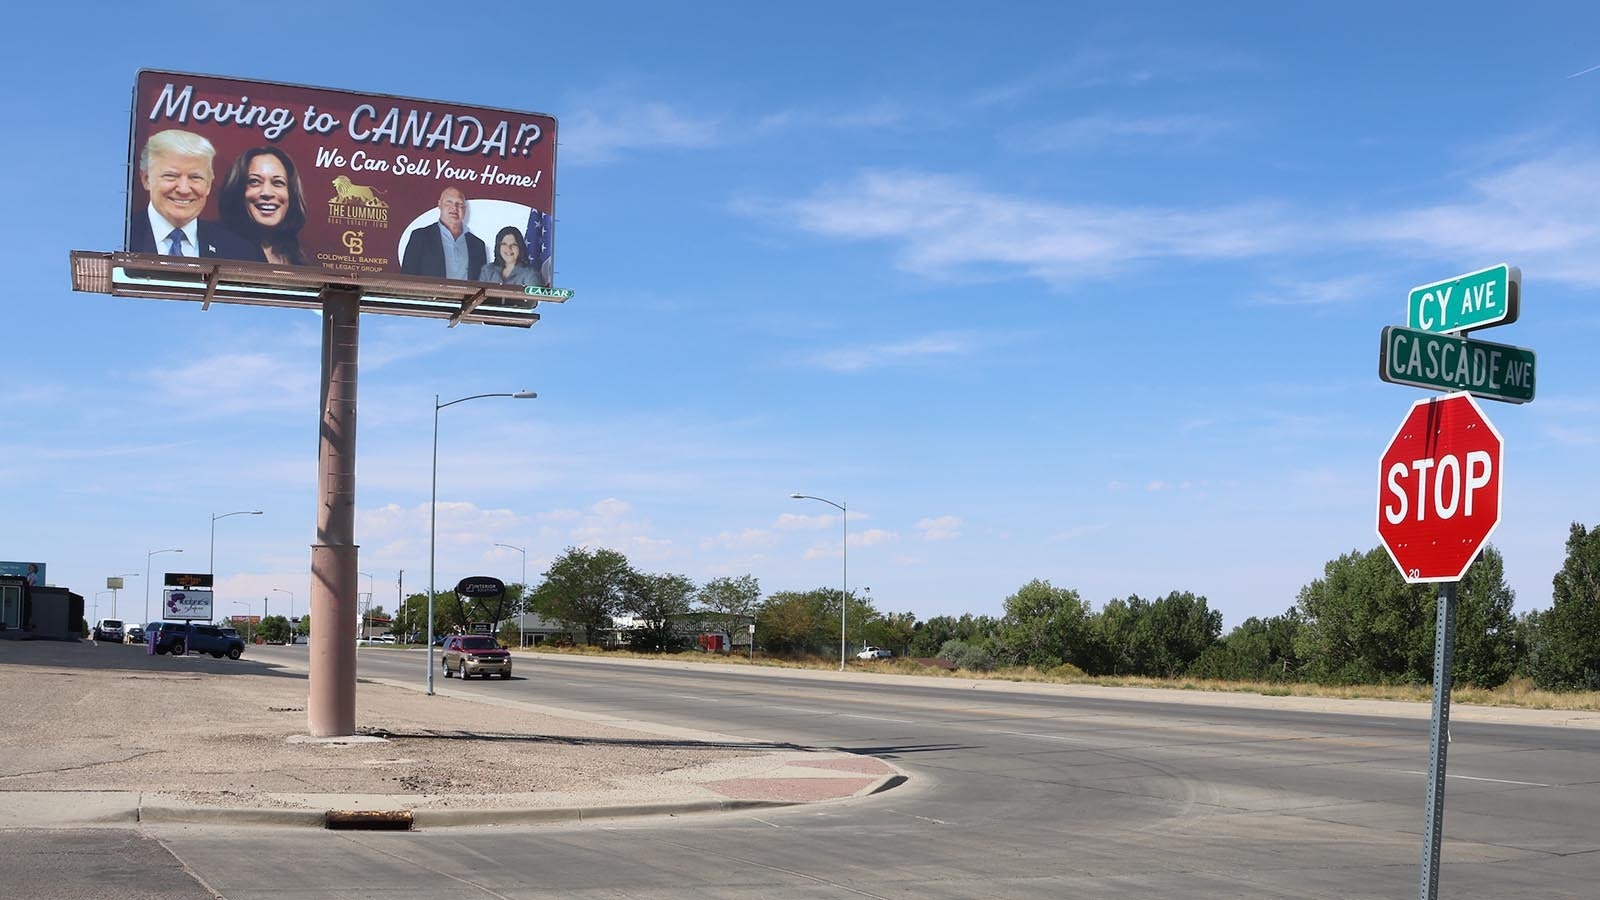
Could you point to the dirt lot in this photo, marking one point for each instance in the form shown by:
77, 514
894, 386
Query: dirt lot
111, 718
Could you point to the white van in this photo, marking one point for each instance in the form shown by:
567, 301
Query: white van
108, 630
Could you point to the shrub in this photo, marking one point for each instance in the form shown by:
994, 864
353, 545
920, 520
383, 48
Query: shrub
967, 656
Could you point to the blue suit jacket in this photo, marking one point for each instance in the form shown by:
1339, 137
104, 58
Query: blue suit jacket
424, 253
214, 238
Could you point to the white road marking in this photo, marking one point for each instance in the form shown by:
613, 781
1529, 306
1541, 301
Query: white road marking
1473, 778
1048, 737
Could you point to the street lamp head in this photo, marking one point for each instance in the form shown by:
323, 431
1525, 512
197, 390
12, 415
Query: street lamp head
797, 496
524, 395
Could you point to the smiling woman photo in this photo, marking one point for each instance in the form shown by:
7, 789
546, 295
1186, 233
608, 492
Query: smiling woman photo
262, 200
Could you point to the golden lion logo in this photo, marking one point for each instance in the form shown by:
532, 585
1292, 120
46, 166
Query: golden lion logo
350, 192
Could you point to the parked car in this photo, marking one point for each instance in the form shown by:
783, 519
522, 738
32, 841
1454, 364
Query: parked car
475, 654
108, 630
875, 653
178, 638
133, 633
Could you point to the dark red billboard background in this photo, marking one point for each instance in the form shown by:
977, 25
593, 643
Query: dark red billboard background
371, 170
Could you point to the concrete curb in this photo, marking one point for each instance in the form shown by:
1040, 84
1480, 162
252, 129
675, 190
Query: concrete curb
132, 811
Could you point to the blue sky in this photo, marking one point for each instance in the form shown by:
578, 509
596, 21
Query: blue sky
1039, 290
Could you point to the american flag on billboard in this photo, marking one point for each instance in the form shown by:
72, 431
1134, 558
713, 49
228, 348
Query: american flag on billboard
541, 244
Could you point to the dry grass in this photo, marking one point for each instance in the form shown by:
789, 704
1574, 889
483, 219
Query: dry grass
1518, 692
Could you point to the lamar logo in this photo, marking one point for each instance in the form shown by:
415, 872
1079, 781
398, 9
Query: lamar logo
352, 242
356, 204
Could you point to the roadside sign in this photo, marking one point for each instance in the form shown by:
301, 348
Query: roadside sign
1475, 300
186, 604
1446, 362
1439, 488
187, 579
482, 587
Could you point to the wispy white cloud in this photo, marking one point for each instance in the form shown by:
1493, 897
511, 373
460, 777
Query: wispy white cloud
234, 383
1327, 292
1123, 66
1543, 214
942, 528
945, 226
748, 539
602, 130
611, 523
880, 114
939, 345
1102, 130
793, 522
872, 537
1075, 532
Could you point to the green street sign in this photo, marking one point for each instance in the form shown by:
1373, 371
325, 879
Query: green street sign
1445, 362
1474, 300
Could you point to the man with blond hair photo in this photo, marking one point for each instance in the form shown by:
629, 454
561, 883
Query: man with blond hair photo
175, 168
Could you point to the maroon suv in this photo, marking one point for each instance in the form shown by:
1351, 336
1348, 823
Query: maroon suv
475, 654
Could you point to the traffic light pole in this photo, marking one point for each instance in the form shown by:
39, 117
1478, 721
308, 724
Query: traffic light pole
1439, 740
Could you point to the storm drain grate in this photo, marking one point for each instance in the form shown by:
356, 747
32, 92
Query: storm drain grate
368, 819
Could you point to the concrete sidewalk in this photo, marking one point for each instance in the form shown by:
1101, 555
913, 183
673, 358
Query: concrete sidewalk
107, 735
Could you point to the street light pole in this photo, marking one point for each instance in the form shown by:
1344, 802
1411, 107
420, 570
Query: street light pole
211, 560
290, 618
147, 580
522, 639
114, 592
366, 617
433, 503
844, 596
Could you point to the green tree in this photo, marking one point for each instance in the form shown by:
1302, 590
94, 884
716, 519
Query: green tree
274, 630
1486, 648
966, 656
796, 622
931, 635
1043, 627
1568, 653
892, 630
1364, 624
303, 627
660, 602
736, 598
1258, 650
584, 589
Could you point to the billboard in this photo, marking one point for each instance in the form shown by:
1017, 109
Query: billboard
340, 183
187, 603
32, 571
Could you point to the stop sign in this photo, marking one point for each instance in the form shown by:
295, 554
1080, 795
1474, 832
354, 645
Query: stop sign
1439, 488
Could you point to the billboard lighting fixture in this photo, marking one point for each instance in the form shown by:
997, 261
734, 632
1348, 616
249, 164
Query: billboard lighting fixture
210, 281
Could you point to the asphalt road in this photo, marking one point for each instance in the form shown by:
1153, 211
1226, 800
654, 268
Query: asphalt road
1016, 795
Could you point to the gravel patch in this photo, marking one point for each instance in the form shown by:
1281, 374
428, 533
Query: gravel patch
81, 717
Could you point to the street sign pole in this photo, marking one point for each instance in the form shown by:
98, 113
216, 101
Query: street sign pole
1439, 736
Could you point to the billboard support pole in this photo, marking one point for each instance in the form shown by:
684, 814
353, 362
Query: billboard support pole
1444, 651
331, 702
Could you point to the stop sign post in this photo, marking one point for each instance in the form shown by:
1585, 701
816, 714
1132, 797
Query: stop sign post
1439, 488
1438, 501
